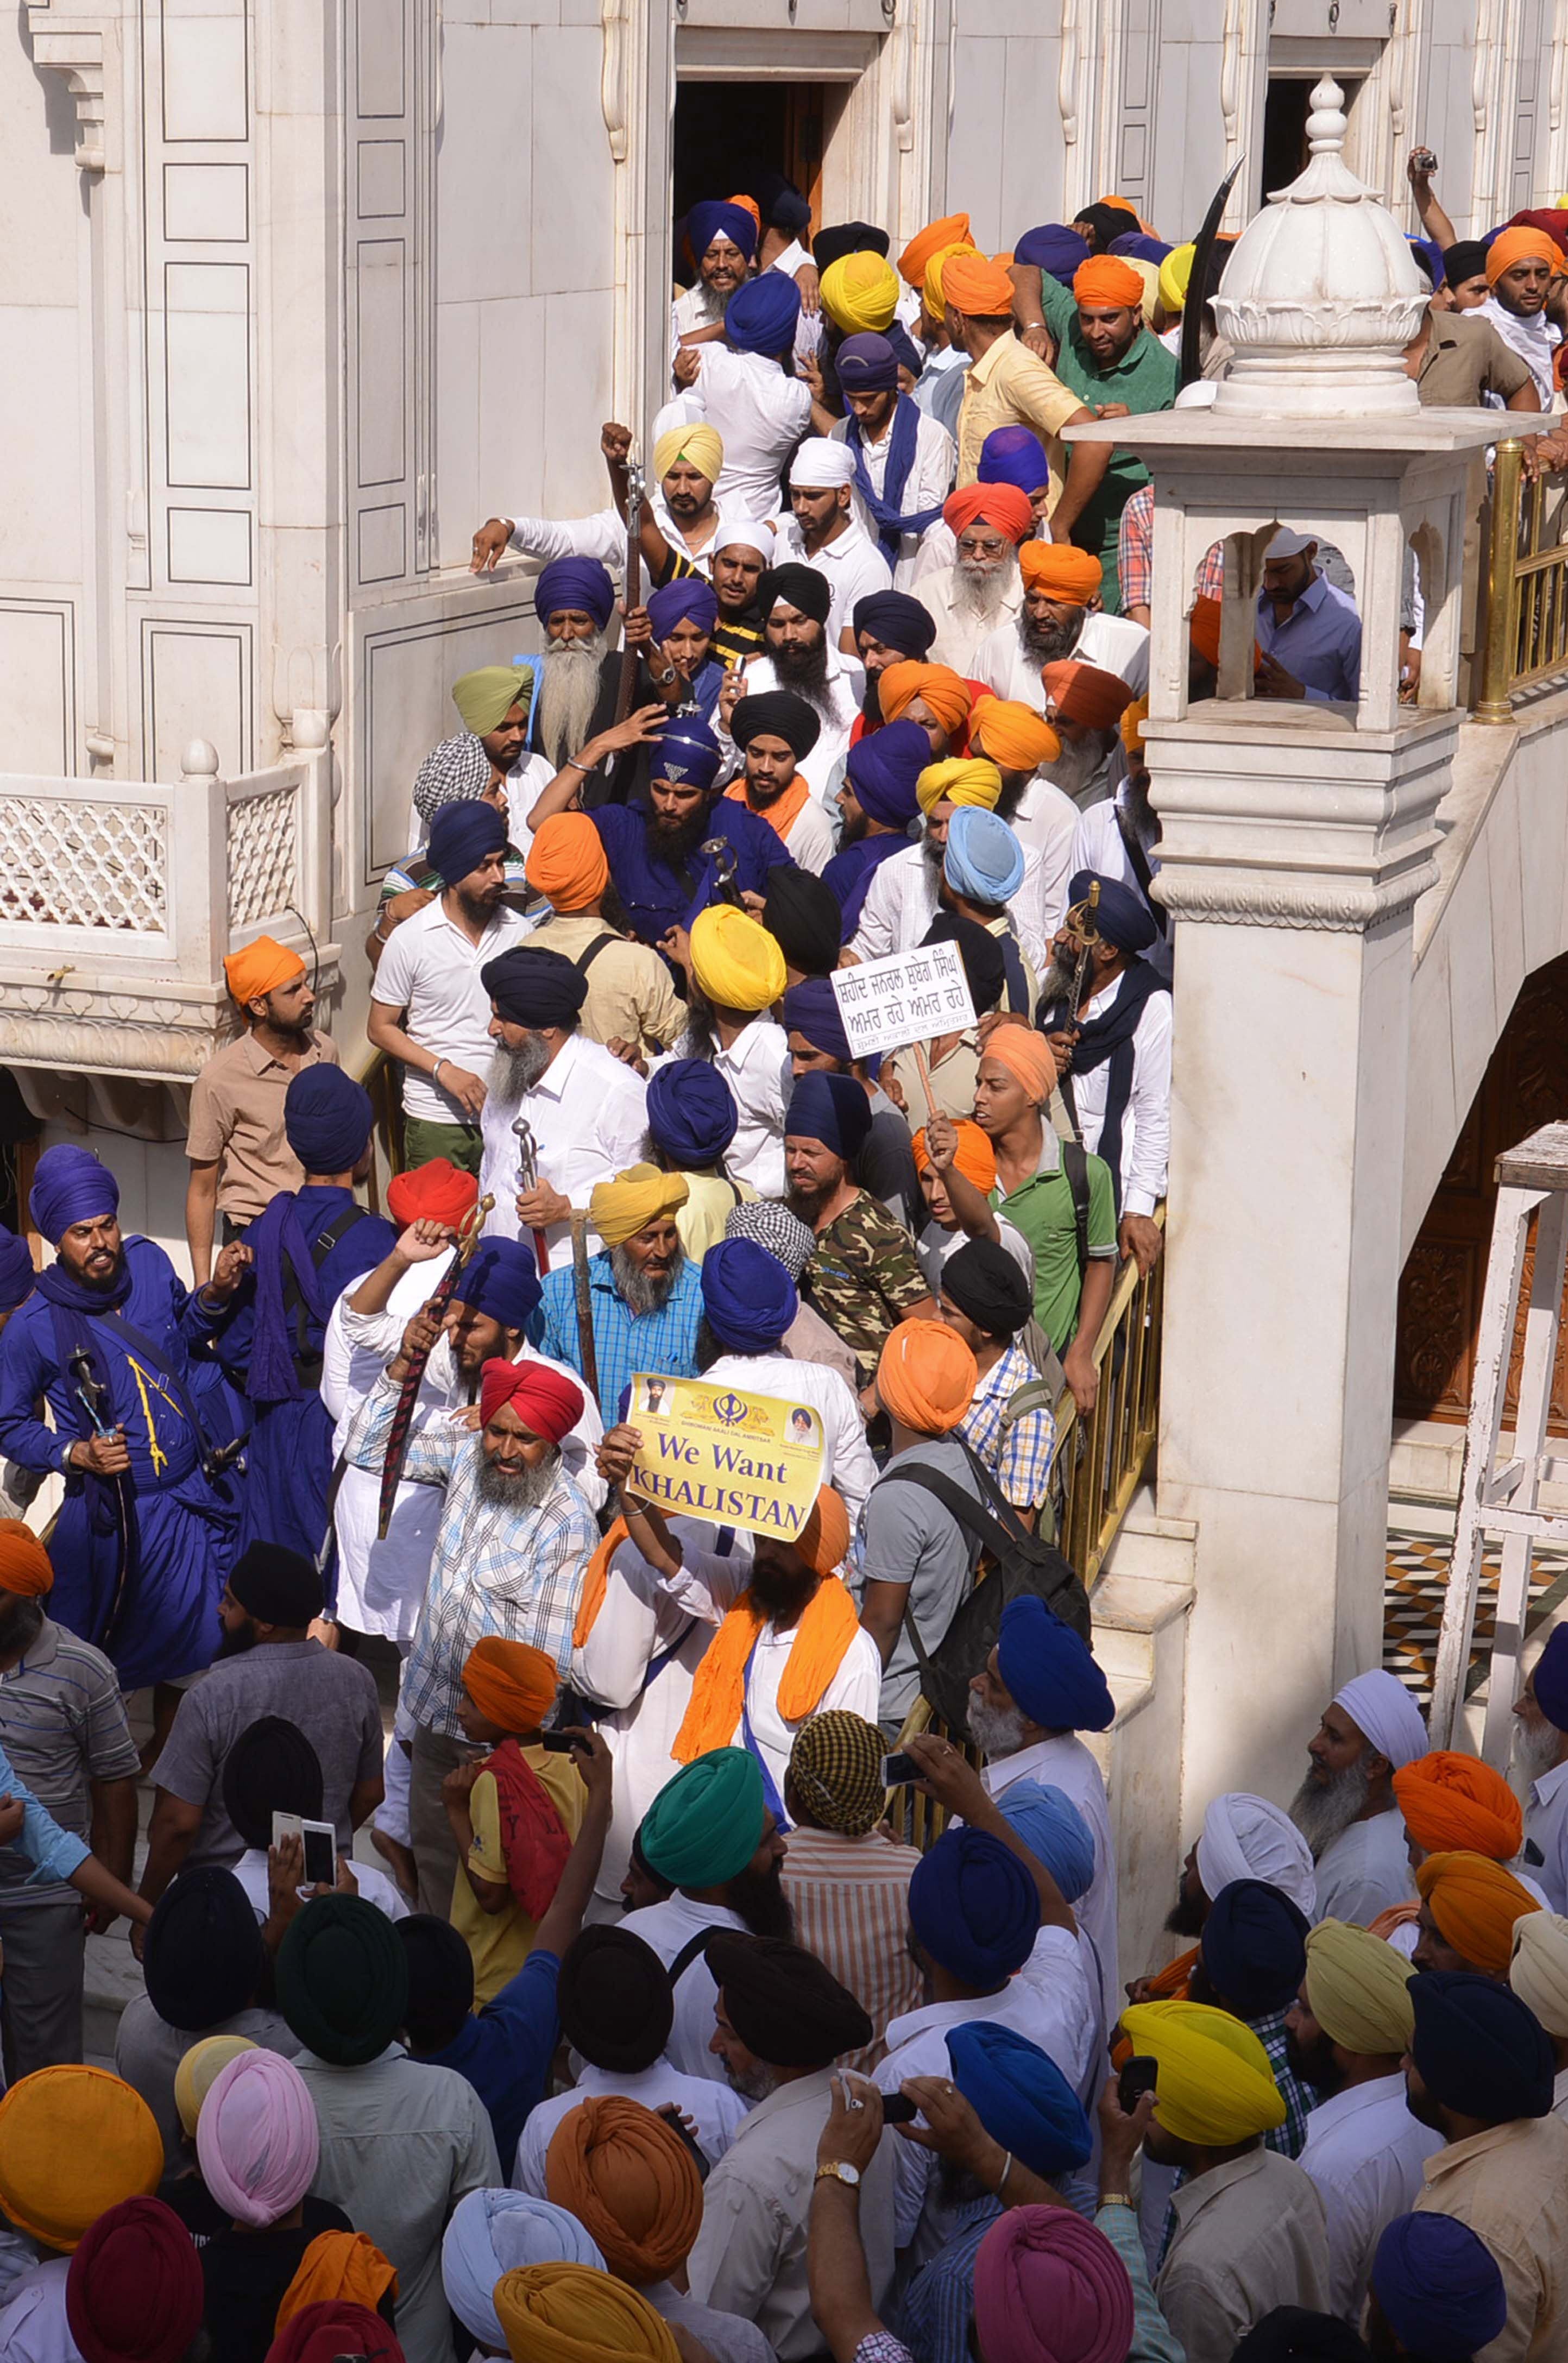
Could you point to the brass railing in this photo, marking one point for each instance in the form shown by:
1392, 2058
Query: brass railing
1526, 639
383, 1078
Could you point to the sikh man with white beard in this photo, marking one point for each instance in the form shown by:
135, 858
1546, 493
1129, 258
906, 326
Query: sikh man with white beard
1061, 617
1540, 1757
577, 676
983, 590
1345, 1808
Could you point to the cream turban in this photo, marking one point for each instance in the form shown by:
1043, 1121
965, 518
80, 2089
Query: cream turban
1538, 1970
701, 445
1357, 1989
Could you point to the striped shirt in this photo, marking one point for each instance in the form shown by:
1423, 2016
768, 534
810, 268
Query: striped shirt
1018, 1457
851, 1898
734, 637
63, 1725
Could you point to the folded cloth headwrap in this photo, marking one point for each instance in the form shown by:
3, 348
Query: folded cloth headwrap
1019, 2095
957, 780
338, 2269
977, 287
699, 445
926, 1377
257, 2138
1056, 570
739, 532
1050, 1824
1440, 2287
777, 713
134, 2291
561, 2314
1027, 1056
25, 1567
566, 860
496, 2232
933, 296
984, 861
1538, 1970
1382, 1709
1049, 2288
576, 586
630, 2180
686, 750
867, 364
1053, 247
785, 2004
271, 1768
984, 969
974, 1906
1511, 246
860, 293
748, 1297
705, 1826
463, 836
510, 1683
833, 1109
1104, 278
835, 1769
1086, 692
435, 1191
459, 766
983, 1281
1450, 1801
501, 1279
549, 1403
342, 1980
1252, 1948
822, 462
259, 969
1014, 457
798, 587
1139, 246
1474, 1903
1466, 258
1248, 1837
1175, 276
203, 1958
74, 2141
615, 1999
763, 314
774, 1227
440, 1965
18, 1278
690, 599
692, 1114
976, 1159
1049, 1672
1002, 506
804, 918
720, 218
1215, 2087
847, 238
1121, 915
882, 769
734, 960
320, 2333
952, 230
1013, 735
812, 1009
534, 988
1357, 1989
897, 620
1549, 1679
1478, 2049
483, 698
639, 1195
71, 1185
199, 2071
328, 1118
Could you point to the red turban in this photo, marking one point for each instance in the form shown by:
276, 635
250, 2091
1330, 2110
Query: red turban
317, 2334
436, 1192
24, 1562
1455, 1803
510, 1683
1107, 278
1057, 571
1003, 506
135, 2286
549, 1403
1086, 692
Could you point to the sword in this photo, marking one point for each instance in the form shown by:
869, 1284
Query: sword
1203, 248
527, 1179
91, 1395
721, 853
402, 1418
635, 491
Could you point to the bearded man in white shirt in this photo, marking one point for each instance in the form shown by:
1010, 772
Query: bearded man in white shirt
799, 654
1060, 618
1345, 1808
824, 531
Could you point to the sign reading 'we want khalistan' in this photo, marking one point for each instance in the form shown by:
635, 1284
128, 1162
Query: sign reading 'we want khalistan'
712, 1452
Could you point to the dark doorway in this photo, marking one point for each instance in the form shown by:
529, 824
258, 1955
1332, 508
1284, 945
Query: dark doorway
1286, 106
729, 135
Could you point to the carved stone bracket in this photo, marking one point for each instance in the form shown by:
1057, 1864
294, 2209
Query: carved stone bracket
1264, 900
70, 47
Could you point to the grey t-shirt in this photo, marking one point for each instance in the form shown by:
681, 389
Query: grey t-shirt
63, 1725
148, 2051
907, 1536
331, 1698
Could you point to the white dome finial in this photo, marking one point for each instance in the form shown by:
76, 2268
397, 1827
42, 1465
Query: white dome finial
1327, 125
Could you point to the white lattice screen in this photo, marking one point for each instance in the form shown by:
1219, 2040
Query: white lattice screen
84, 865
263, 867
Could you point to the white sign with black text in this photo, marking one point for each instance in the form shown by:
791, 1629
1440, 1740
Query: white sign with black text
908, 997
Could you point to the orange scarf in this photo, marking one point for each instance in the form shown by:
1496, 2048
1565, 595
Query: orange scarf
718, 1693
1169, 1984
596, 1582
781, 816
1398, 1915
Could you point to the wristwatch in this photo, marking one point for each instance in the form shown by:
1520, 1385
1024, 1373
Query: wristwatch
837, 2170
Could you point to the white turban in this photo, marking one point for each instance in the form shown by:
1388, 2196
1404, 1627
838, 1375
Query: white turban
822, 461
1538, 1972
1379, 1704
744, 533
491, 2232
1246, 1837
1289, 543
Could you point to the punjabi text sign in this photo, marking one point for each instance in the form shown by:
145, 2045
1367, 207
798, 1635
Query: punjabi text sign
908, 997
712, 1452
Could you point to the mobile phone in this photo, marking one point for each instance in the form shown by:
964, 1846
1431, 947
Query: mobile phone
898, 2109
1140, 2076
559, 1743
286, 1825
321, 1854
897, 1771
672, 2116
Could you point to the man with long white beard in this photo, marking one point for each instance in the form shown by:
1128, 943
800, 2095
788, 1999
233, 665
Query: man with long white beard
1061, 617
578, 674
1541, 1755
982, 590
1345, 1808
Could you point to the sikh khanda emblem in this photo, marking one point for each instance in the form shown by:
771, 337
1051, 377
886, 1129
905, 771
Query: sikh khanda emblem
730, 1409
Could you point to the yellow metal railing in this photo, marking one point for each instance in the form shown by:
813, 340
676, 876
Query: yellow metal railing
1526, 639
383, 1078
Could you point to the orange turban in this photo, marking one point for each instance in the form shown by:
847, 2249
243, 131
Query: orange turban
1203, 629
1058, 570
1511, 246
980, 289
1003, 506
952, 231
1086, 692
939, 687
1132, 726
1013, 735
261, 968
1474, 1903
566, 862
630, 2182
511, 1684
824, 1538
976, 1159
926, 1377
1451, 1801
25, 1567
439, 1191
338, 2269
1107, 278
748, 205
1026, 1055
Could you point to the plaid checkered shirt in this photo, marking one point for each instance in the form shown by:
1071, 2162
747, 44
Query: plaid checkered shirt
1020, 1458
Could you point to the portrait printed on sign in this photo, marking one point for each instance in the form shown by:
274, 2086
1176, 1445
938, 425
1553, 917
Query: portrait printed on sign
651, 1397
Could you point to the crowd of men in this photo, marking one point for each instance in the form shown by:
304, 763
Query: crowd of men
638, 2026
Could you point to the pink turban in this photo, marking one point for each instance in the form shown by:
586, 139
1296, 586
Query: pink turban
1049, 2288
257, 2139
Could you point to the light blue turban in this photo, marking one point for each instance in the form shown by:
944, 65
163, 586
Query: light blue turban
491, 2232
985, 860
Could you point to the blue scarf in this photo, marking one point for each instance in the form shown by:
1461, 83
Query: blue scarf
1110, 1036
278, 1238
60, 1286
884, 505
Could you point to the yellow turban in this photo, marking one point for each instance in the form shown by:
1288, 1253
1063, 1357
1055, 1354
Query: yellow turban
1539, 1971
622, 1208
572, 2313
1175, 276
259, 969
1131, 727
483, 698
734, 960
1215, 2087
1357, 1989
961, 780
193, 2076
702, 445
1013, 734
860, 293
74, 2141
1474, 1903
933, 296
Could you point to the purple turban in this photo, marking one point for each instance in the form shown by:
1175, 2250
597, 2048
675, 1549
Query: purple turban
896, 619
1054, 249
1439, 2286
72, 1185
502, 1281
812, 1009
16, 1273
749, 1299
580, 585
460, 836
716, 218
328, 1118
1013, 455
867, 364
974, 1905
833, 1109
690, 599
686, 750
883, 769
763, 315
1136, 247
691, 1112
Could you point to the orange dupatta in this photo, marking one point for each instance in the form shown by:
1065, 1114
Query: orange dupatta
718, 1693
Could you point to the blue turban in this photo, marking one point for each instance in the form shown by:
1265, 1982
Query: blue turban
502, 1281
983, 861
691, 1113
328, 1117
1254, 1946
882, 769
16, 1273
579, 584
898, 622
974, 1907
1550, 1677
1054, 249
1021, 2096
833, 1109
715, 218
1136, 246
763, 315
686, 750
1440, 2287
690, 599
534, 987
460, 836
72, 1185
1013, 455
904, 350
748, 1296
1121, 915
867, 364
1049, 1672
1478, 2049
812, 1009
1053, 1830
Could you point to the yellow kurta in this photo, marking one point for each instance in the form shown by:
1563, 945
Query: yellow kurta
501, 1942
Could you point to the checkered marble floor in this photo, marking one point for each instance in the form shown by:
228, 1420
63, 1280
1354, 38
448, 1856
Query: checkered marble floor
1413, 1603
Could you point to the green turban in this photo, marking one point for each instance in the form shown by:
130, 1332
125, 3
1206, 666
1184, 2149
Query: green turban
342, 1980
483, 698
705, 1826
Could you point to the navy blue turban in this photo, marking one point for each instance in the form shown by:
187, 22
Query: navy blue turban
691, 1113
833, 1109
690, 599
1478, 2049
574, 585
716, 218
462, 835
867, 363
974, 1907
1021, 2096
984, 969
898, 622
782, 203
1054, 249
1013, 455
1254, 1946
748, 1296
1049, 1672
1046, 1819
328, 1119
905, 351
535, 988
502, 1281
983, 861
804, 588
1136, 246
763, 315
686, 751
812, 1009
831, 245
16, 1273
1440, 2287
882, 769
72, 1185
203, 1958
1550, 1676
1121, 915
777, 713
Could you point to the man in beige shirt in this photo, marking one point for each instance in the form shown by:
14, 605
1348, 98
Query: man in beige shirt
234, 1138
631, 999
1005, 384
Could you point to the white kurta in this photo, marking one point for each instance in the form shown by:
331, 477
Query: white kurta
959, 635
589, 1114
1146, 1119
1115, 643
901, 903
1064, 1762
929, 483
756, 1067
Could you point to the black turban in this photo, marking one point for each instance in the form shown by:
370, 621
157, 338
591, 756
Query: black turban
440, 1980
777, 714
897, 620
270, 1769
984, 969
806, 920
831, 245
277, 1586
1254, 1945
1467, 260
1478, 2049
535, 988
798, 587
342, 1980
203, 1958
614, 2000
983, 1281
1291, 2335
787, 2009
